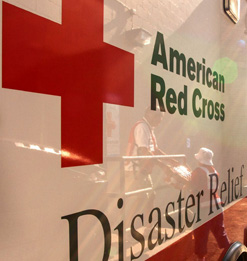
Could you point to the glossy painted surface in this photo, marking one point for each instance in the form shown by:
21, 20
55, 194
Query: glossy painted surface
70, 61
65, 67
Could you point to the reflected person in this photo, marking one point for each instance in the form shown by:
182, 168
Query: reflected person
200, 179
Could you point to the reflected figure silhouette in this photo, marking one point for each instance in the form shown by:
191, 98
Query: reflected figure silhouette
200, 178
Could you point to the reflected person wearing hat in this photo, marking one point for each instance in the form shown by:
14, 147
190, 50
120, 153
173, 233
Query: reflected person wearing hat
205, 157
200, 179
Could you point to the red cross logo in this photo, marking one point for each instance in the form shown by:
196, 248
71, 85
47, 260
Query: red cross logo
71, 61
110, 124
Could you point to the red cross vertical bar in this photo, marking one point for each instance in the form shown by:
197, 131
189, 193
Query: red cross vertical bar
71, 61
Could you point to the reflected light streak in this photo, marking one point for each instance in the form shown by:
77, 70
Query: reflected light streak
50, 150
21, 145
37, 147
68, 154
34, 147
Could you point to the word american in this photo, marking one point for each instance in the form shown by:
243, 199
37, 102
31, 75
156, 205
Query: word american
195, 71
